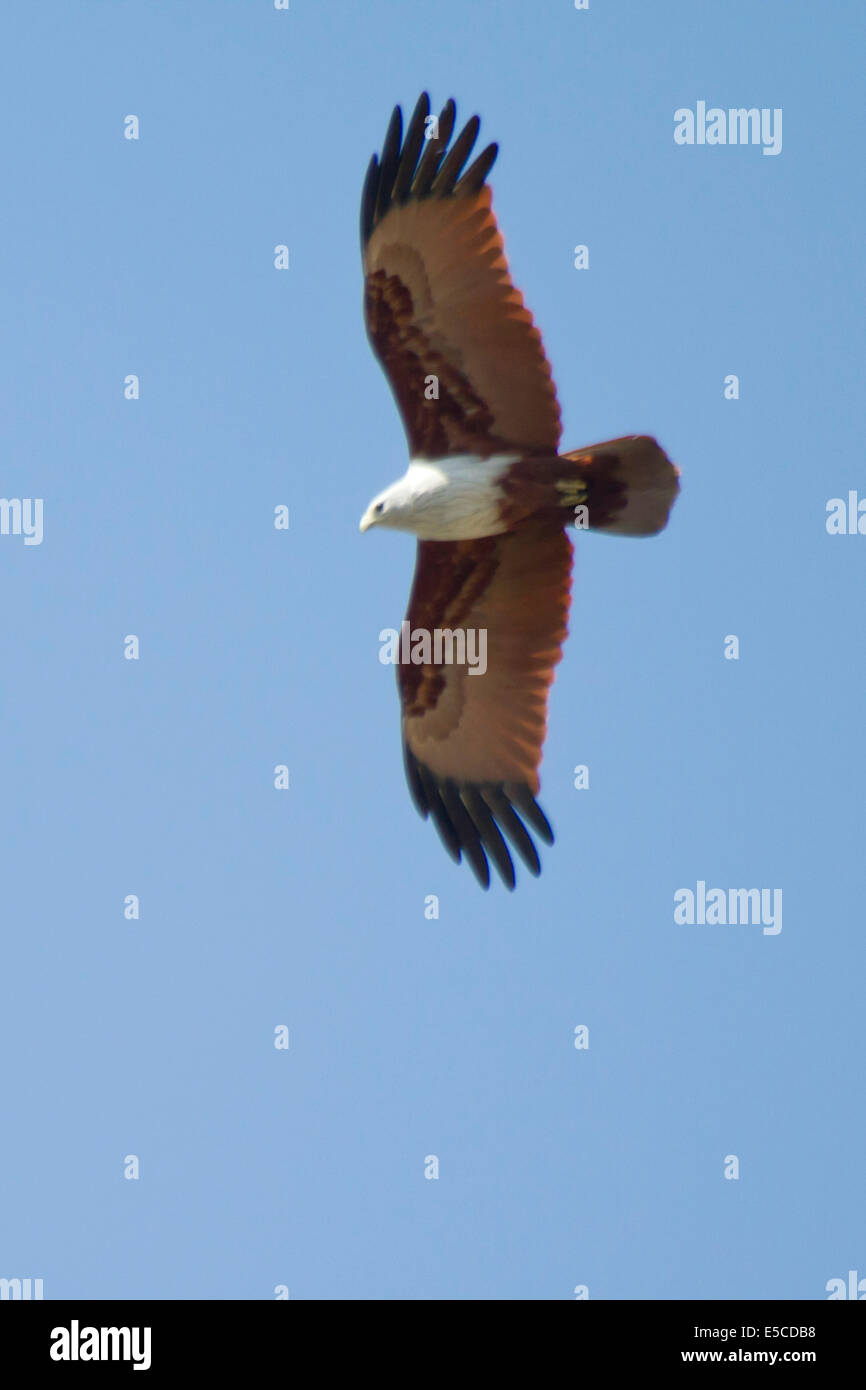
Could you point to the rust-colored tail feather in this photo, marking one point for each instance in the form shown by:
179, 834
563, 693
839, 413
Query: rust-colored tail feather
630, 485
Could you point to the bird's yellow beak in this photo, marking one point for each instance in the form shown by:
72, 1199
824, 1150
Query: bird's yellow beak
366, 522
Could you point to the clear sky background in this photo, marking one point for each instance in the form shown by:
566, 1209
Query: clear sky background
412, 1037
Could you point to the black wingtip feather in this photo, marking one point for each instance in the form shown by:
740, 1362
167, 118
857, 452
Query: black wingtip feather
432, 157
390, 161
441, 819
470, 840
452, 164
416, 786
368, 200
416, 167
411, 149
525, 802
513, 826
473, 818
490, 834
475, 175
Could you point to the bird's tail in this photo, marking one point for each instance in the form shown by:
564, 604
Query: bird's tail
626, 486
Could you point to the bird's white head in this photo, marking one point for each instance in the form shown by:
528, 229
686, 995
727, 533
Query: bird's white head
404, 505
389, 508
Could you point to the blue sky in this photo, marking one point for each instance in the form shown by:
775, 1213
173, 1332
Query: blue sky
409, 1037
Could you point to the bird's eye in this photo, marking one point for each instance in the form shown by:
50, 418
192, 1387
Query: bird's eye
379, 508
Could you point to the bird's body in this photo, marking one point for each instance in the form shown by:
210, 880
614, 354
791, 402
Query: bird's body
487, 492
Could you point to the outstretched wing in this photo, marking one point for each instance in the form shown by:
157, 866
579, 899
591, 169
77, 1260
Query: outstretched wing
439, 302
472, 742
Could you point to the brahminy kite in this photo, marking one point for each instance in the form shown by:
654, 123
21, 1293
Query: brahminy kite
487, 492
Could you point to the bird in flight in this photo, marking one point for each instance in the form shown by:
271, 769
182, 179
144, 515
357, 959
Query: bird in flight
487, 492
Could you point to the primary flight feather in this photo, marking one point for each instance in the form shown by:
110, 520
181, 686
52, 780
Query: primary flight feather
487, 492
